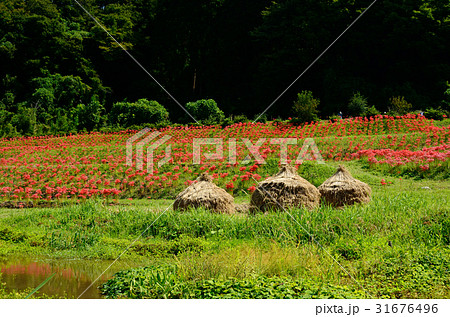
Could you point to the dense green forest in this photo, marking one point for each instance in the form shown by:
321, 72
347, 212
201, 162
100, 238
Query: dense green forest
60, 72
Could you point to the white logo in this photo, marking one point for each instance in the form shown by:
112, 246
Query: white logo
150, 149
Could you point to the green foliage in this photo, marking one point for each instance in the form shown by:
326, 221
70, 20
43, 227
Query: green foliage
126, 114
305, 107
315, 173
334, 117
433, 229
348, 249
205, 111
420, 270
8, 234
262, 287
154, 283
53, 57
446, 102
147, 282
234, 119
399, 105
57, 91
357, 105
24, 120
435, 113
397, 244
261, 118
64, 123
434, 170
8, 101
88, 116
271, 167
371, 111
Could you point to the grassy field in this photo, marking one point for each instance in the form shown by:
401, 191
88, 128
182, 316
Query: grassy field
395, 247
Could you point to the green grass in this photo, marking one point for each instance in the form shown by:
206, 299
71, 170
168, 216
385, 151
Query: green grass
442, 123
396, 247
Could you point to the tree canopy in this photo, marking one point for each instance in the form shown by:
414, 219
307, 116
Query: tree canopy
242, 54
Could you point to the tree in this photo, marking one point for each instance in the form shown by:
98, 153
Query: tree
305, 107
205, 111
125, 114
357, 105
88, 116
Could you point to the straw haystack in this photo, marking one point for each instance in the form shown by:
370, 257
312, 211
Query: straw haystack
283, 190
204, 193
342, 189
242, 208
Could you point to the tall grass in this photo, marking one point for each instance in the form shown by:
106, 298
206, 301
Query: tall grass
403, 216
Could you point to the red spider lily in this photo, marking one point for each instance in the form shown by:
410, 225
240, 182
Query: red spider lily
94, 164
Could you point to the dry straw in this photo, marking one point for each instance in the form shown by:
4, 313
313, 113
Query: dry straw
285, 189
342, 189
204, 193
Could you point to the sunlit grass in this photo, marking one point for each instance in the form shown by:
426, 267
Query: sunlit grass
392, 246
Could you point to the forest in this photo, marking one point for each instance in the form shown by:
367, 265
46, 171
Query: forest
60, 72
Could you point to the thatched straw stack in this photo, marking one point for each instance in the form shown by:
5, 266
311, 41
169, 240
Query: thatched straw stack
204, 193
342, 189
283, 190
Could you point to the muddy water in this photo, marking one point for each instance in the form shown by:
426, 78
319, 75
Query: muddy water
72, 277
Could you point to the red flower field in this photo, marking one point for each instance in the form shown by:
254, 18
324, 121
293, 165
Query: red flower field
77, 167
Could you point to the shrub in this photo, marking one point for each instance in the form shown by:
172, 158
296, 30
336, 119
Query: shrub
435, 114
260, 118
277, 121
24, 120
143, 111
240, 119
206, 111
334, 117
357, 105
371, 111
88, 116
63, 123
234, 119
399, 105
446, 101
8, 131
305, 107
227, 121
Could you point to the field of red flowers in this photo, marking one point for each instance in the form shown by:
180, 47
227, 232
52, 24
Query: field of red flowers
78, 167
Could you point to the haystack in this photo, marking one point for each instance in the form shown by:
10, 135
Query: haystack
204, 193
342, 189
284, 190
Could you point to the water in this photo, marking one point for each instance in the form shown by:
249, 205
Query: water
71, 279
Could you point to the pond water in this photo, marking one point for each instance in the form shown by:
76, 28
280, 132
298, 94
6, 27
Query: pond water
71, 279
